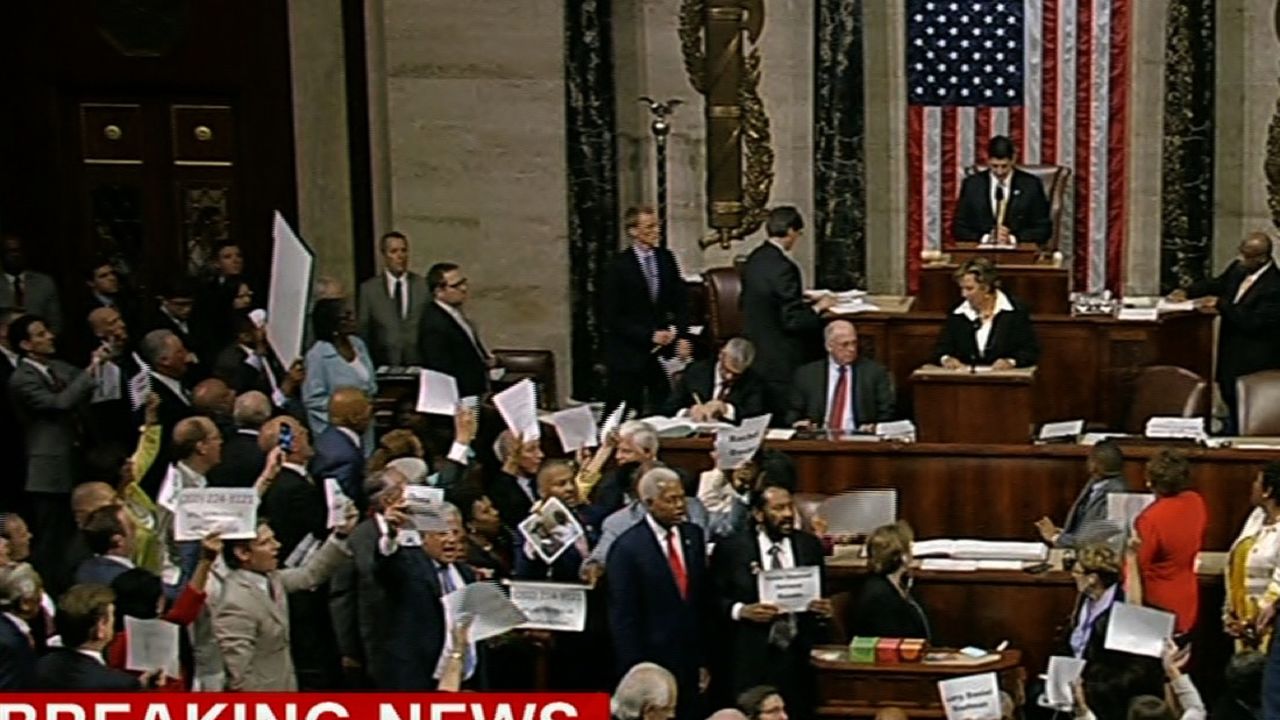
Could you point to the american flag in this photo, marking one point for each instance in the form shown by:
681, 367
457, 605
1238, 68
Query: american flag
1051, 74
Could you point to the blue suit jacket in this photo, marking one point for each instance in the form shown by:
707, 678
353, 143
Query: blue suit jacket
649, 619
98, 569
17, 658
337, 457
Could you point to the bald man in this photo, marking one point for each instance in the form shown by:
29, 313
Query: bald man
844, 392
242, 458
1246, 297
295, 507
214, 399
342, 448
85, 498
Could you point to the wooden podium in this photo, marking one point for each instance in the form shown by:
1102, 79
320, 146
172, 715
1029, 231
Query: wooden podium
1020, 254
983, 407
1045, 289
847, 689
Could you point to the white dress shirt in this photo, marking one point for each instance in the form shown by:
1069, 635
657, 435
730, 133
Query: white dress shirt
786, 558
661, 534
833, 383
1249, 280
983, 333
404, 290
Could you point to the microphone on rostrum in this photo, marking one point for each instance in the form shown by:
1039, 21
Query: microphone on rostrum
973, 357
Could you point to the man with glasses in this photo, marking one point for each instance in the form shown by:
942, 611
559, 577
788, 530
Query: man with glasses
844, 392
722, 389
447, 341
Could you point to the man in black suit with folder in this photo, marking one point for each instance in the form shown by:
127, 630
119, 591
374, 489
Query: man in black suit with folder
776, 317
1002, 205
1247, 298
646, 315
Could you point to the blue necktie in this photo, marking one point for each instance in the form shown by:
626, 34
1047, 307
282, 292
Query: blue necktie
649, 263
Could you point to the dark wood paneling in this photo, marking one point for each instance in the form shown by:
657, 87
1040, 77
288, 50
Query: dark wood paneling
993, 491
1043, 288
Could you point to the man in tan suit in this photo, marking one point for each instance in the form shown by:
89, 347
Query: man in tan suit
252, 621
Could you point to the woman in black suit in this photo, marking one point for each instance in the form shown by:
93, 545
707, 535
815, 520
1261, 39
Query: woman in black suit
989, 327
885, 606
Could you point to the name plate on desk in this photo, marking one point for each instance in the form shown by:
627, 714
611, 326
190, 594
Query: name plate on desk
937, 371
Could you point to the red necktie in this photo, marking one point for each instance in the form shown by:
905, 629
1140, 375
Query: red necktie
835, 421
677, 567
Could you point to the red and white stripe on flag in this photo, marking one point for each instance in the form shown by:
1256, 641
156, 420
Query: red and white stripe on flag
1074, 114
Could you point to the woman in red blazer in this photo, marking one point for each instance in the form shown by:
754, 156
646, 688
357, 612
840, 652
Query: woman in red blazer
1171, 532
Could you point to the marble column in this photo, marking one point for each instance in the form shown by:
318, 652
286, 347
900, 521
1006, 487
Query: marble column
884, 36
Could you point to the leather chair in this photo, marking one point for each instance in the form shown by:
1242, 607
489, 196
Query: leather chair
1258, 396
1056, 180
724, 314
1168, 391
537, 365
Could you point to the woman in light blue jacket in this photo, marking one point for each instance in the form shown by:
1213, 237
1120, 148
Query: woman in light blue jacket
338, 359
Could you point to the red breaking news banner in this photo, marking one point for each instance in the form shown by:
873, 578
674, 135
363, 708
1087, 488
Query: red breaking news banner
304, 706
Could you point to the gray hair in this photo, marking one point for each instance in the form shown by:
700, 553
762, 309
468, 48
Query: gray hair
17, 583
728, 714
378, 484
645, 685
154, 344
830, 329
651, 482
252, 409
641, 433
741, 351
447, 509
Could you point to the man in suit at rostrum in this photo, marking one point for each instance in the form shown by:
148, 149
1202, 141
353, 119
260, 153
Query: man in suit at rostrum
767, 646
391, 306
776, 317
1246, 297
1002, 205
725, 388
646, 315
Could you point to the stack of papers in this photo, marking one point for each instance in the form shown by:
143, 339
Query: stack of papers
1176, 427
951, 565
981, 550
1166, 306
903, 430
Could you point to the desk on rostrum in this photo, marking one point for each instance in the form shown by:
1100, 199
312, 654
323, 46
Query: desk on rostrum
1045, 289
847, 689
968, 406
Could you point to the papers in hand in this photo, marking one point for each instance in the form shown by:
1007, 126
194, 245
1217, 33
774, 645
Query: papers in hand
153, 645
973, 697
108, 386
337, 501
551, 606
423, 506
491, 613
291, 264
231, 512
1176, 427
576, 428
140, 387
1063, 671
437, 393
981, 550
614, 419
550, 530
1124, 508
859, 512
736, 445
1138, 630
518, 406
791, 589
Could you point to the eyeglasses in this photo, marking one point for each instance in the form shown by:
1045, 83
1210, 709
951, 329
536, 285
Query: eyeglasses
456, 285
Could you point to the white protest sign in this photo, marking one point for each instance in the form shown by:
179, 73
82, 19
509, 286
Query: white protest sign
437, 393
551, 606
337, 502
791, 589
140, 386
615, 419
551, 530
518, 406
492, 614
576, 427
1138, 630
231, 512
972, 697
736, 445
290, 291
859, 512
153, 645
109, 382
1063, 671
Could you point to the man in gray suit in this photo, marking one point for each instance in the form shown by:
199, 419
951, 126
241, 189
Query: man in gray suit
842, 392
33, 292
251, 621
1086, 522
48, 397
391, 304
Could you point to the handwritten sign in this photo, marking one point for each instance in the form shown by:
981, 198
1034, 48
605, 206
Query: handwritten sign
792, 589
973, 697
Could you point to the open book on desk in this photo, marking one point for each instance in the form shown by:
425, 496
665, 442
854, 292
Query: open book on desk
682, 426
981, 550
